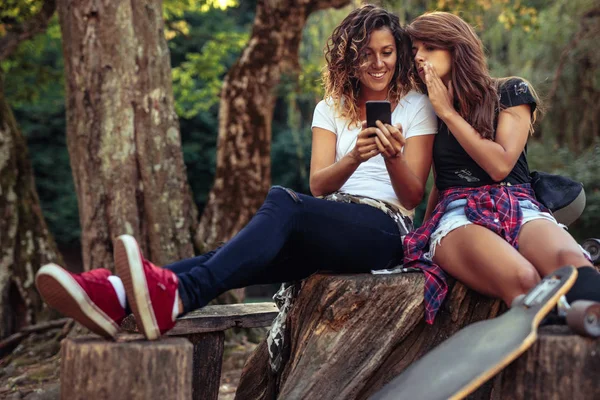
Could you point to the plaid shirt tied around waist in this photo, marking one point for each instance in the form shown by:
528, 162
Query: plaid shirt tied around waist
495, 207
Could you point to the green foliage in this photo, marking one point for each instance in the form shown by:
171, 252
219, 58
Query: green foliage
35, 71
43, 124
200, 61
559, 57
174, 12
34, 87
198, 80
298, 94
16, 11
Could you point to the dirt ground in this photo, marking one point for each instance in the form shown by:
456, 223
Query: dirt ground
32, 370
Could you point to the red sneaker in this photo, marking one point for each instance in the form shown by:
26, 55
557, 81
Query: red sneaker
89, 298
151, 291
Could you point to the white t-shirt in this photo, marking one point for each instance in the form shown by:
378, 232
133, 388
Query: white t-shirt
371, 178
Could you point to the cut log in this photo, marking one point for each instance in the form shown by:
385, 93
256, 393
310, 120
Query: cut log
131, 368
350, 334
204, 328
559, 365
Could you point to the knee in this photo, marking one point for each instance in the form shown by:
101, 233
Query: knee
527, 278
280, 203
282, 195
570, 257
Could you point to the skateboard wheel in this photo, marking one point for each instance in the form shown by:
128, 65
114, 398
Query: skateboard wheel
584, 318
592, 246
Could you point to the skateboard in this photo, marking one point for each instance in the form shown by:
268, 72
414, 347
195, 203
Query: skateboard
466, 360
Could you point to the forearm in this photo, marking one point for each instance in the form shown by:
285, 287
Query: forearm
408, 187
488, 154
333, 177
434, 197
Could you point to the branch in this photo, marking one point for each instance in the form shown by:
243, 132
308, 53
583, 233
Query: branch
12, 341
28, 29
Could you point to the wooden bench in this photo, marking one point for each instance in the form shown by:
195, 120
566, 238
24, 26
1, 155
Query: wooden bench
205, 329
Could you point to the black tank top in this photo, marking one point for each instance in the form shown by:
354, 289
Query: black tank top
455, 168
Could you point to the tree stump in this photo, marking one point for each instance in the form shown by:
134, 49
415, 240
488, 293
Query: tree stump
351, 334
131, 368
559, 365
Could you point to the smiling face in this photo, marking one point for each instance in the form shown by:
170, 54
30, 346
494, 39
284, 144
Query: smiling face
377, 71
440, 59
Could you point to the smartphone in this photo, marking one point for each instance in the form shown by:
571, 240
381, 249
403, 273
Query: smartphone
378, 110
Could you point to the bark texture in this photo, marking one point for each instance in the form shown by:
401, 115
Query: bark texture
351, 334
559, 365
130, 369
243, 173
25, 243
122, 131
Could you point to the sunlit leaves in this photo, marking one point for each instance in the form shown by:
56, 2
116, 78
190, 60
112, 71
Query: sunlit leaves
14, 12
511, 13
175, 10
197, 81
518, 15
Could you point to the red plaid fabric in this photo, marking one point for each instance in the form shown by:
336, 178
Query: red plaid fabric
495, 207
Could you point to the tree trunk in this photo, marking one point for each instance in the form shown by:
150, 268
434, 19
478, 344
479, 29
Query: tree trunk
358, 331
25, 243
129, 369
559, 365
122, 131
243, 172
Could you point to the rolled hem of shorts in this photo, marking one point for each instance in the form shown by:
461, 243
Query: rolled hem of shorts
442, 234
543, 215
433, 244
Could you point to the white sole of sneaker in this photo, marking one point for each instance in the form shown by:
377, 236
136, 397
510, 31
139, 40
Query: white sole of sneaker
130, 269
61, 292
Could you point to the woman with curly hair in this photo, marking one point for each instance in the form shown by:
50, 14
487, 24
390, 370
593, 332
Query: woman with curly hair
484, 225
366, 182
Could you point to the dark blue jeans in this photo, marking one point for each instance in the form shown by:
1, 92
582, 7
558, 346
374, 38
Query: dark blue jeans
290, 237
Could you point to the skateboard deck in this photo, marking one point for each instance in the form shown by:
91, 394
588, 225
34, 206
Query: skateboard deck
466, 360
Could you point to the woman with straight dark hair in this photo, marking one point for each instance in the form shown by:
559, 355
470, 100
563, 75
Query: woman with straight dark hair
370, 180
484, 225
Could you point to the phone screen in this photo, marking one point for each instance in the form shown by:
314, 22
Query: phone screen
378, 110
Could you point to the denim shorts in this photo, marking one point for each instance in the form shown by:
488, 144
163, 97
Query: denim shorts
455, 217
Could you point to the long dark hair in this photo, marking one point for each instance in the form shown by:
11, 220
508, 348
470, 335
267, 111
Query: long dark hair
474, 89
344, 55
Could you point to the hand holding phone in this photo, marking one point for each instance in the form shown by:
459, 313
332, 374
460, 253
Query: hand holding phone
378, 110
391, 143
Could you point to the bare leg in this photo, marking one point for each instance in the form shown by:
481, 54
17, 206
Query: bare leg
549, 247
485, 262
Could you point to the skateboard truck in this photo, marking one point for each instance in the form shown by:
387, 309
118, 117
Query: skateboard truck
582, 317
563, 307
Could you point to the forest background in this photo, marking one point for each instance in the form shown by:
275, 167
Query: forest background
552, 44
170, 119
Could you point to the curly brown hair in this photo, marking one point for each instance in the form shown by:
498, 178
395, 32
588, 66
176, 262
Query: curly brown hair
344, 55
475, 91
